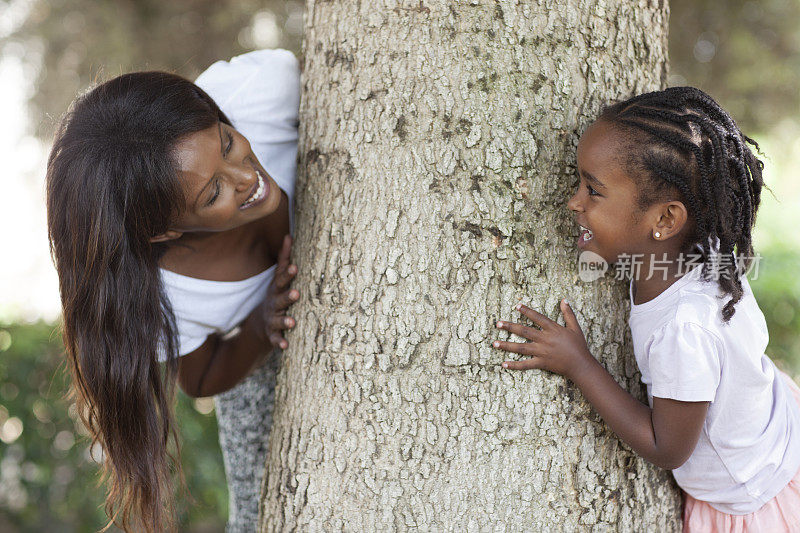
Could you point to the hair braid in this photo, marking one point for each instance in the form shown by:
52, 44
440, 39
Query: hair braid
749, 167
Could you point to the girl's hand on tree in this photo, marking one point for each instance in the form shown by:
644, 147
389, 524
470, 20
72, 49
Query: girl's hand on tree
279, 298
556, 348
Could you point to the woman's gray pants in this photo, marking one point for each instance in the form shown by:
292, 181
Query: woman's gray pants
244, 417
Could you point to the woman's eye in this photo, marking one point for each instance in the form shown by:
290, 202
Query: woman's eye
216, 194
230, 143
592, 192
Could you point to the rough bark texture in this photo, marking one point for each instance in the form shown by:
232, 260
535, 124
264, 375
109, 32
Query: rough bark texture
437, 154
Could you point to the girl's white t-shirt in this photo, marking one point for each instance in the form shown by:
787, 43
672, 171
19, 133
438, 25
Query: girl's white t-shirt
749, 447
260, 94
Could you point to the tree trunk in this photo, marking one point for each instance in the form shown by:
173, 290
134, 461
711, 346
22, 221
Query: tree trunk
437, 153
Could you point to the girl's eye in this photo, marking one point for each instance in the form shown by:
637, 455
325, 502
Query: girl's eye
592, 192
216, 194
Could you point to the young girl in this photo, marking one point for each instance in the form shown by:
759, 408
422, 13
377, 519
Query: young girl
169, 214
662, 176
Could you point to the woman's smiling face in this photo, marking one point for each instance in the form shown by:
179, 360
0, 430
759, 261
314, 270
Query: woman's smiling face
606, 201
222, 181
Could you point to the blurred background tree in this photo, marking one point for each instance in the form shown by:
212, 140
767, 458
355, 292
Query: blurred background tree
744, 53
78, 42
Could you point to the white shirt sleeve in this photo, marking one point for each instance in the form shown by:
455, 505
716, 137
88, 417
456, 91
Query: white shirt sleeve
188, 343
685, 362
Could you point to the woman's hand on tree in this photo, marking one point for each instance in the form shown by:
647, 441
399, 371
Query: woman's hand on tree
280, 297
555, 348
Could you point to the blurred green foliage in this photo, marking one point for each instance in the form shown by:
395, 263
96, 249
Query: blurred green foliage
777, 289
48, 479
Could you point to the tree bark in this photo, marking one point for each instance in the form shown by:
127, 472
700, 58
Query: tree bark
437, 153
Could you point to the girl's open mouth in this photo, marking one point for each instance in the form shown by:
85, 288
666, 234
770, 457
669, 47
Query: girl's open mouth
585, 237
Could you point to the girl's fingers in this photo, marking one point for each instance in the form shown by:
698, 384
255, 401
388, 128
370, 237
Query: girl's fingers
537, 318
523, 348
527, 364
569, 317
518, 329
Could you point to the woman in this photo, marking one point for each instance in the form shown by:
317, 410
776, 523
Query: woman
169, 210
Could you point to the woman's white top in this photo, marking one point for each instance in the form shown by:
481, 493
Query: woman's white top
749, 447
260, 94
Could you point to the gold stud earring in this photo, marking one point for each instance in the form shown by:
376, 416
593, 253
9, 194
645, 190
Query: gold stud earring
657, 235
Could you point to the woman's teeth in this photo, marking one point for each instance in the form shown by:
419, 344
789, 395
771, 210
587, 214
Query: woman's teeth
259, 191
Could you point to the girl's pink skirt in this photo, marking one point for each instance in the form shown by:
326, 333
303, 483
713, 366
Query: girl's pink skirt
781, 513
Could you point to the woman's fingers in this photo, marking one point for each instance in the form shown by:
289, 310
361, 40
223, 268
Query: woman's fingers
518, 329
284, 275
537, 318
276, 340
286, 250
285, 299
277, 324
284, 271
280, 322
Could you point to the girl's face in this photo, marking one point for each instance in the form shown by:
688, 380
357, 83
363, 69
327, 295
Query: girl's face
224, 184
606, 201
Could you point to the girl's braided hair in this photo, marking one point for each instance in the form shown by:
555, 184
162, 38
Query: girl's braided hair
680, 141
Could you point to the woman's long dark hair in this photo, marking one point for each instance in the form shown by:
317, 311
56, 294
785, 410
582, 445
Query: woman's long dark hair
112, 184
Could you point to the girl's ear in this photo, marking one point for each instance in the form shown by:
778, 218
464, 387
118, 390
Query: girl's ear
671, 220
169, 235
